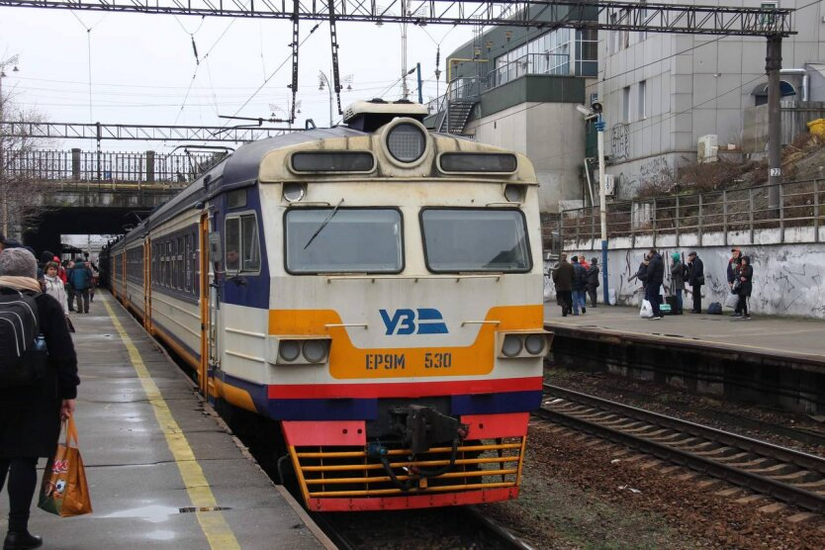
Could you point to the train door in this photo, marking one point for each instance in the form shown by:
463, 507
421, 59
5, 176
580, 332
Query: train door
124, 290
208, 309
147, 284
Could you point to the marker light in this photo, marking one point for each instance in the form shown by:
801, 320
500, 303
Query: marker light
293, 192
511, 346
289, 350
513, 193
534, 344
406, 142
315, 351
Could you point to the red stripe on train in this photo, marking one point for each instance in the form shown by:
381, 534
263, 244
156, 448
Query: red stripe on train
418, 501
403, 389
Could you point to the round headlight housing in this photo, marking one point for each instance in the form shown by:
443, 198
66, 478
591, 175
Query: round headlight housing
315, 351
534, 344
406, 142
513, 193
293, 192
511, 346
289, 350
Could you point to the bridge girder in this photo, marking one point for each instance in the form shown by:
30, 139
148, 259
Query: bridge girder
598, 14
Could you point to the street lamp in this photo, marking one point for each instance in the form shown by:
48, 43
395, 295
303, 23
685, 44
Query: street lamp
594, 112
5, 206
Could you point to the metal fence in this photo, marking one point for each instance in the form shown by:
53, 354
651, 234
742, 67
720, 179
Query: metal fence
801, 204
111, 167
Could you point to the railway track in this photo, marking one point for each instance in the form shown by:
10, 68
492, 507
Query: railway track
790, 476
466, 527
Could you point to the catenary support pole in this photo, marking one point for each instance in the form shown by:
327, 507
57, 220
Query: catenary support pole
603, 208
420, 91
773, 63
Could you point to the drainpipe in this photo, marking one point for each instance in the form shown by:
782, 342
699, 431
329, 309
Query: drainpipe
805, 84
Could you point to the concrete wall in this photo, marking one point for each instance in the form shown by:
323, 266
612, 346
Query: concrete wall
688, 95
789, 278
551, 135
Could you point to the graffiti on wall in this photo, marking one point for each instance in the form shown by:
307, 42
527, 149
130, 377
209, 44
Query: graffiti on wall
620, 141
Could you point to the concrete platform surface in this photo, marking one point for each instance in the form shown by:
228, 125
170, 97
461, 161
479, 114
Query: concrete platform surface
788, 337
153, 452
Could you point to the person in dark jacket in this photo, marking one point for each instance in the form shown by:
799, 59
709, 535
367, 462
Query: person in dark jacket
563, 279
655, 278
641, 273
677, 281
696, 279
30, 416
593, 280
745, 287
81, 280
579, 286
734, 265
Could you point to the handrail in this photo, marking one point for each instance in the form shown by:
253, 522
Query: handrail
798, 217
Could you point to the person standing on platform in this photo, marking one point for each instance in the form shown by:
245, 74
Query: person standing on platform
593, 280
641, 273
68, 285
655, 278
745, 287
696, 279
677, 282
583, 262
563, 279
54, 286
734, 265
579, 287
30, 415
81, 280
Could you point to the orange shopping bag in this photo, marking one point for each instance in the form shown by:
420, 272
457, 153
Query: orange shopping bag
64, 491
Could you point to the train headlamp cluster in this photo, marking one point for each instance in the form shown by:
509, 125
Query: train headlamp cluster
299, 350
515, 345
406, 142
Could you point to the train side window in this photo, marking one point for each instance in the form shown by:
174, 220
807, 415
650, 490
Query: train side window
179, 259
249, 239
232, 244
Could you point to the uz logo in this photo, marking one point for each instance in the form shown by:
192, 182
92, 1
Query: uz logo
403, 321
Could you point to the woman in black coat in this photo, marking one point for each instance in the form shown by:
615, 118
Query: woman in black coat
745, 286
30, 416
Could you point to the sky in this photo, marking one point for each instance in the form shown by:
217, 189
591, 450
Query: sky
143, 69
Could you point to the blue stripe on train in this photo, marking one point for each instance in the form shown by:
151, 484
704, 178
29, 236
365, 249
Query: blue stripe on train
367, 409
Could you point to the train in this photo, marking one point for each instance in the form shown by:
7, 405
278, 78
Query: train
373, 289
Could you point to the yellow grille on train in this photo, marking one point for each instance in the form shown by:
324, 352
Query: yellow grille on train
349, 472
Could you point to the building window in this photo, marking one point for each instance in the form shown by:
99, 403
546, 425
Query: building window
626, 104
643, 100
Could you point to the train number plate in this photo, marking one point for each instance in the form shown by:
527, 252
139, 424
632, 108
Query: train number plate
398, 361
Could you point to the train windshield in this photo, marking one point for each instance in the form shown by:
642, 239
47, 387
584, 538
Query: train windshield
350, 240
472, 240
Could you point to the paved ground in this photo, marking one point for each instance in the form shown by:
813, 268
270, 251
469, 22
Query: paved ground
152, 449
801, 337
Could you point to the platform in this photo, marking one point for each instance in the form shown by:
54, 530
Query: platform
788, 337
774, 361
155, 453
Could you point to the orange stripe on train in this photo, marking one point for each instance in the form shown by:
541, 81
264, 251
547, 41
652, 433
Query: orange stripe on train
348, 362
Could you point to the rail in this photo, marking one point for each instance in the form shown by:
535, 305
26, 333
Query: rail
76, 166
801, 212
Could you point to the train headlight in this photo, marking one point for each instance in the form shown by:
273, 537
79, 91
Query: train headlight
289, 350
513, 193
534, 344
315, 351
511, 346
406, 142
293, 192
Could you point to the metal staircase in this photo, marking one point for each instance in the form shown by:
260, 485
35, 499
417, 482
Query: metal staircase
462, 95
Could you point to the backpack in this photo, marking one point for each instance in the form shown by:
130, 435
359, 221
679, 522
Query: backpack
715, 308
22, 347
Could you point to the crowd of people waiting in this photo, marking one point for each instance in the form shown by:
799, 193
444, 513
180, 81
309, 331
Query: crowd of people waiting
31, 413
573, 278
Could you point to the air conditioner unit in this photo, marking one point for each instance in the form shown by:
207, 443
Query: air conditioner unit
609, 185
708, 148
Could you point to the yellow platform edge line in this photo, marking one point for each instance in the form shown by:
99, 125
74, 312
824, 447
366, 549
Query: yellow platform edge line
213, 524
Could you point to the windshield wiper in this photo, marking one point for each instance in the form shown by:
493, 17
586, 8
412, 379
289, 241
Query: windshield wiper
323, 225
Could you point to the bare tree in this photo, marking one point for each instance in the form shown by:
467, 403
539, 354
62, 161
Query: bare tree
21, 182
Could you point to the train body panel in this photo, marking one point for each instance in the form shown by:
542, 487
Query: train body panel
388, 313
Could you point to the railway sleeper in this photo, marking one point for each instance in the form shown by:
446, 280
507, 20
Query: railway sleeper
699, 447
801, 475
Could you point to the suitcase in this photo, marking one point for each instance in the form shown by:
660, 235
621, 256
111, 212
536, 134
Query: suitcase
671, 302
